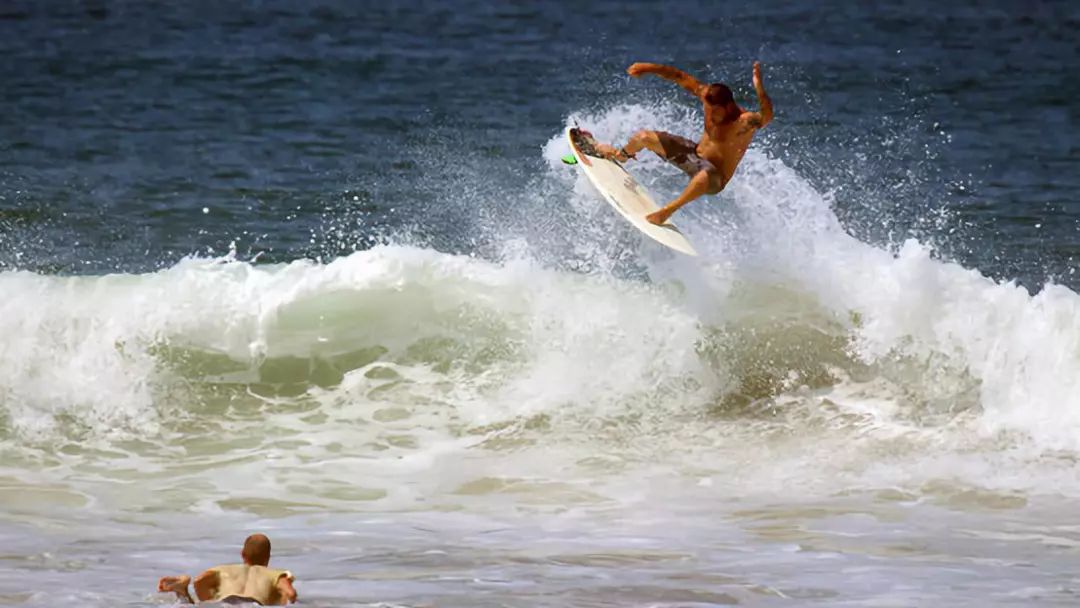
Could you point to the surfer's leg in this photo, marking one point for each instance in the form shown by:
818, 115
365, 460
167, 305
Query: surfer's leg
613, 153
644, 140
704, 182
665, 145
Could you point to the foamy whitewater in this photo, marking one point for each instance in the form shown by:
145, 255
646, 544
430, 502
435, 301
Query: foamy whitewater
794, 418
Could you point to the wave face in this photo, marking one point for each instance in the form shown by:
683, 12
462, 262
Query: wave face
401, 374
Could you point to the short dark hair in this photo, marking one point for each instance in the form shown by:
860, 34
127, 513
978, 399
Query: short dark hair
719, 94
257, 550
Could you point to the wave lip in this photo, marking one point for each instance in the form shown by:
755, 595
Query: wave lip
786, 326
979, 345
106, 350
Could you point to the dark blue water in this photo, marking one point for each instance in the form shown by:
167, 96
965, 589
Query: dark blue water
133, 134
797, 417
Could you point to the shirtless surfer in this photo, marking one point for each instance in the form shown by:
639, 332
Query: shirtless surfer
711, 162
251, 581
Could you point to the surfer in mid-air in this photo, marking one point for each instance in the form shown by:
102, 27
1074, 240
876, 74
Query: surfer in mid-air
711, 162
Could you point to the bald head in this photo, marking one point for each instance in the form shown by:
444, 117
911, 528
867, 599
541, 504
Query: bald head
256, 550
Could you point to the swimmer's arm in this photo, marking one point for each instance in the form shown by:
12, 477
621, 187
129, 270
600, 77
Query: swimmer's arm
764, 116
285, 588
207, 584
177, 585
667, 72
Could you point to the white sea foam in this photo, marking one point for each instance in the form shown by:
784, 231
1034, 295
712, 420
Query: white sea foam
789, 355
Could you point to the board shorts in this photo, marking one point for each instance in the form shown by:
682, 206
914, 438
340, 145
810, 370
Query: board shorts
682, 153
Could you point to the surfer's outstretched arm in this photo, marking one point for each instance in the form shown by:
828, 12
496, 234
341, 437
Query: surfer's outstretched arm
667, 72
763, 116
177, 585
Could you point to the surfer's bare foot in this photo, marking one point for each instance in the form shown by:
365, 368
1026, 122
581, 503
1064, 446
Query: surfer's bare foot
658, 217
174, 584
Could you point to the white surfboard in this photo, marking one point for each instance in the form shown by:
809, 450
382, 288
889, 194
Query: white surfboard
622, 191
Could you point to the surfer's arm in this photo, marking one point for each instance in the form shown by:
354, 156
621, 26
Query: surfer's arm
177, 585
285, 587
667, 72
207, 584
764, 115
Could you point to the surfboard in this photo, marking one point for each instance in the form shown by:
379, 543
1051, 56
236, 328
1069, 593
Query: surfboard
622, 191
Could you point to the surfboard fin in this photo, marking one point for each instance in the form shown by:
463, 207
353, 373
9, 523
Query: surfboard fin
569, 159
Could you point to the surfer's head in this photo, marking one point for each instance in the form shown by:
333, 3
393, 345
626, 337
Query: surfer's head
719, 94
719, 97
256, 551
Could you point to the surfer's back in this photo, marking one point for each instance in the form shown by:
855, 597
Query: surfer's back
241, 581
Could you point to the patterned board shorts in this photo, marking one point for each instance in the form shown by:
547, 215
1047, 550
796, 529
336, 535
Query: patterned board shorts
682, 153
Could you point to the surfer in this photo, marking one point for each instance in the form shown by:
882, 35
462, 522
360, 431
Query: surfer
251, 581
710, 162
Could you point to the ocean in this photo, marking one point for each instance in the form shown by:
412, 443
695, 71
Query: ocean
314, 269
